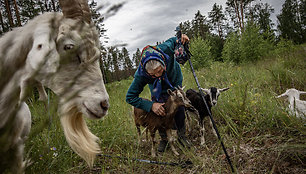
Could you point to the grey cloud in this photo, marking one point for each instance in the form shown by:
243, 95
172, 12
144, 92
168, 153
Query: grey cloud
139, 23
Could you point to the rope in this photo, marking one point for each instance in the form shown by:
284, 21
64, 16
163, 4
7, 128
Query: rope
211, 118
182, 164
186, 48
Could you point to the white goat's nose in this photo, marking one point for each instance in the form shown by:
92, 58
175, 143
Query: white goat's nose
104, 104
214, 102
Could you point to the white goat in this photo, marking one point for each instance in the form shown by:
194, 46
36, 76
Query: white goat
296, 106
14, 137
60, 51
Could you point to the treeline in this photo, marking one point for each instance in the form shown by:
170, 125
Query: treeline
116, 64
242, 31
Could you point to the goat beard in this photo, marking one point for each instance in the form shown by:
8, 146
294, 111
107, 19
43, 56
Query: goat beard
77, 134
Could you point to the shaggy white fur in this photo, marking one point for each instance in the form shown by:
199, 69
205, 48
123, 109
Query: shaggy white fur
62, 53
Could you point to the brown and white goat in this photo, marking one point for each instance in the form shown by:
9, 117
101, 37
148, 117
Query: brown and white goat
153, 122
197, 102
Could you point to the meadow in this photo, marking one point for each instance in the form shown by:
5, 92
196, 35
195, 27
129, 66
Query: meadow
258, 132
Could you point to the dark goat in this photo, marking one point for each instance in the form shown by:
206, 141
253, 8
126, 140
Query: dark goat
153, 122
211, 98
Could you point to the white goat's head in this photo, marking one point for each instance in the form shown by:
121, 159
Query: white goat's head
292, 94
65, 57
214, 94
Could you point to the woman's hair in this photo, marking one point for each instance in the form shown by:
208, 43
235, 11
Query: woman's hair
152, 65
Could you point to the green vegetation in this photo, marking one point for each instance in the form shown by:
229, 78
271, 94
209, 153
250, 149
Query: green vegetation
260, 136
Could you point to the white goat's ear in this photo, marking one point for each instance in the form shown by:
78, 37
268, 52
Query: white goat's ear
205, 90
223, 89
282, 95
43, 57
170, 92
302, 92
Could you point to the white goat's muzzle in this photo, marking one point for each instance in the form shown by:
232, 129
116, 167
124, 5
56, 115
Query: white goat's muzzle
95, 107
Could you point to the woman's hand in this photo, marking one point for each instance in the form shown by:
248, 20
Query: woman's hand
158, 109
184, 39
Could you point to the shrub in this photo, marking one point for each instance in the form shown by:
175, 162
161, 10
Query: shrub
251, 44
200, 50
231, 50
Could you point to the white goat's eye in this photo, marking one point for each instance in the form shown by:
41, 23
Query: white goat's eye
68, 47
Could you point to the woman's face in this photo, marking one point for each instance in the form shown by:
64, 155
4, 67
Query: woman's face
157, 72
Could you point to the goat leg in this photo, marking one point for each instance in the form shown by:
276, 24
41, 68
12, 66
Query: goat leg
188, 121
212, 128
147, 133
139, 134
202, 131
153, 152
18, 166
42, 93
171, 139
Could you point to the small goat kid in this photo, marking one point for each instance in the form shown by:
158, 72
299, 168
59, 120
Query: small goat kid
296, 106
153, 122
211, 99
59, 51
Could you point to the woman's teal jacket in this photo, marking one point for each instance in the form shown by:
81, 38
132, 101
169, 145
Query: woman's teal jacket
174, 75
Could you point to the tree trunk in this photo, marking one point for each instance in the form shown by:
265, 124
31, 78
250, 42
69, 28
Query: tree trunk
17, 13
2, 24
219, 30
9, 13
242, 16
46, 5
236, 7
53, 5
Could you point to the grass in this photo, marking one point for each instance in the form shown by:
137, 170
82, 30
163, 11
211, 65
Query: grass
259, 134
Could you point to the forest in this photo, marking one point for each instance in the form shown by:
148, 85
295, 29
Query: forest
242, 31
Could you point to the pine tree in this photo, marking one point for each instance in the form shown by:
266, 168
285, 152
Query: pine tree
290, 22
187, 29
9, 13
17, 13
127, 61
29, 10
217, 19
237, 10
260, 14
136, 58
3, 29
199, 25
97, 18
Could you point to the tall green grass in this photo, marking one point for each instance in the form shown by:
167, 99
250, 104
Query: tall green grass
259, 133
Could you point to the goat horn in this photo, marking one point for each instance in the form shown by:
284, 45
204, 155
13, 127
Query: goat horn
76, 9
205, 90
223, 89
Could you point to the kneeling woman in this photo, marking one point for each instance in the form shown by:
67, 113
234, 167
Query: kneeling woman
160, 71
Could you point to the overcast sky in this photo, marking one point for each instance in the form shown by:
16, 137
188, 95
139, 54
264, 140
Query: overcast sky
144, 22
